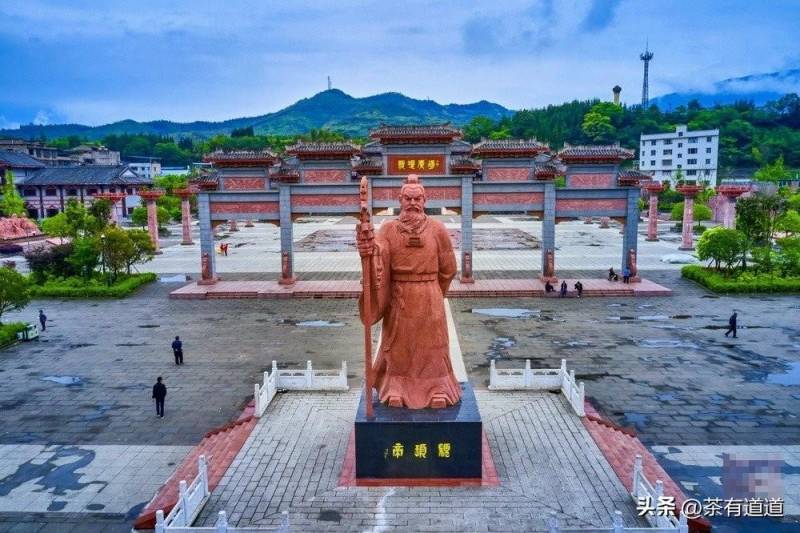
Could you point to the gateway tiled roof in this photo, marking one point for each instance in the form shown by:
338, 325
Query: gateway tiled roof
239, 155
595, 153
509, 146
343, 148
13, 159
87, 175
548, 169
413, 131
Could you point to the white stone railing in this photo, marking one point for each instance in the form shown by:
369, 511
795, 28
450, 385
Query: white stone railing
617, 526
307, 379
642, 488
540, 379
190, 501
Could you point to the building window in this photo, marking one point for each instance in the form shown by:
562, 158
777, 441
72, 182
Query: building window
680, 167
680, 134
707, 172
652, 163
691, 172
112, 189
666, 162
72, 192
667, 141
708, 161
129, 190
692, 150
708, 139
30, 192
691, 161
51, 191
680, 145
51, 212
667, 152
692, 140
680, 155
652, 152
91, 191
708, 150
652, 143
130, 210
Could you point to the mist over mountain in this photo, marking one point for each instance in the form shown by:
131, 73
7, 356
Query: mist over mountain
758, 88
332, 109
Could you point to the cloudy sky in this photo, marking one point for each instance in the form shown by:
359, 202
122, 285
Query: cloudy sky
95, 62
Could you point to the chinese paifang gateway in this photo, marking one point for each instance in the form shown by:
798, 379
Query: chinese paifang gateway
507, 176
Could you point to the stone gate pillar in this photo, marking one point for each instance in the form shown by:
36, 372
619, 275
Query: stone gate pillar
549, 233
653, 188
730, 193
150, 198
186, 215
287, 251
466, 230
689, 191
208, 271
630, 237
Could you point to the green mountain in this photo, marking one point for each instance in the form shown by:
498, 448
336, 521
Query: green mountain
331, 109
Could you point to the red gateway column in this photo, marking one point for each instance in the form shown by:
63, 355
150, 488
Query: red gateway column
731, 193
150, 198
653, 188
688, 191
186, 215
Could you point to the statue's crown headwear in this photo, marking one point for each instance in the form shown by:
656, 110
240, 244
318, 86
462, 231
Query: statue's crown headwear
412, 181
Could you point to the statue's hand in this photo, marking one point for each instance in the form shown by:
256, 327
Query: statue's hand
365, 239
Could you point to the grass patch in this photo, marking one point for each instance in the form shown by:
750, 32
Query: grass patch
8, 332
93, 288
740, 282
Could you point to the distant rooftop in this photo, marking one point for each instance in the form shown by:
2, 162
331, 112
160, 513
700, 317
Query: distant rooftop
240, 155
323, 149
509, 147
439, 132
18, 160
87, 175
594, 153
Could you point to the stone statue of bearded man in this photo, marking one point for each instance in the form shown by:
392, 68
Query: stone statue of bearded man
412, 264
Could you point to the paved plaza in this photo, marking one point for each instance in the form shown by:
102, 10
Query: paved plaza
76, 404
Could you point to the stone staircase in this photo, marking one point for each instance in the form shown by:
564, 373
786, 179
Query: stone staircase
620, 446
220, 446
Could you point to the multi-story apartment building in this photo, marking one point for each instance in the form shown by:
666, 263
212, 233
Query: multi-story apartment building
694, 153
87, 154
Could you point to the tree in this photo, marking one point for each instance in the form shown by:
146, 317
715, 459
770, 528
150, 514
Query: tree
479, 127
700, 212
772, 172
117, 247
789, 222
163, 216
50, 260
57, 226
14, 290
139, 216
243, 132
100, 210
598, 127
721, 245
11, 203
85, 256
757, 217
143, 248
79, 220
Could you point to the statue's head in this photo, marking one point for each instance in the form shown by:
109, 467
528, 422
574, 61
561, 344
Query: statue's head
412, 195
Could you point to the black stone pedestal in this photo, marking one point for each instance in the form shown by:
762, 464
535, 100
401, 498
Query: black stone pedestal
420, 443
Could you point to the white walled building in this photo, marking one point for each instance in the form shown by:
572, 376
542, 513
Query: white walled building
146, 167
694, 153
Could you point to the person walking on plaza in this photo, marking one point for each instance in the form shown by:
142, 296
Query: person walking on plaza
626, 275
177, 350
579, 288
732, 325
42, 319
563, 289
159, 393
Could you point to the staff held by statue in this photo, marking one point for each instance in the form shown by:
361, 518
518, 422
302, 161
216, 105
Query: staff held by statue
365, 230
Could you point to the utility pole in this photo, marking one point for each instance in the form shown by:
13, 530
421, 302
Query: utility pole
646, 56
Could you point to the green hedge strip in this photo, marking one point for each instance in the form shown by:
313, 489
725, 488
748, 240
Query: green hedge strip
742, 282
8, 332
76, 288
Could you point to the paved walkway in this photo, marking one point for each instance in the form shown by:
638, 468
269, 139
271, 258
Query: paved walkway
347, 288
544, 457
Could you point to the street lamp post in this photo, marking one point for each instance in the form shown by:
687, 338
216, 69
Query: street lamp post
103, 252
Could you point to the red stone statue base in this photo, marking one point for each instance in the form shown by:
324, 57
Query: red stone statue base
211, 281
287, 281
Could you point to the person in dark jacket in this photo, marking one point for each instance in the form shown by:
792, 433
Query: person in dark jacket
159, 393
177, 350
732, 325
563, 289
42, 319
548, 287
579, 288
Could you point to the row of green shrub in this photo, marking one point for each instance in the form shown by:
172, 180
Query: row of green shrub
8, 332
93, 288
740, 282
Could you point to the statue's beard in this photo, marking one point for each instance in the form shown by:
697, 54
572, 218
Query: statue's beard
411, 221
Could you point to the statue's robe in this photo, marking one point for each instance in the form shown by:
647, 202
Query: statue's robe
408, 288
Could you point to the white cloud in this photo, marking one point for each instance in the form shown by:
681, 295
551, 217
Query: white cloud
42, 118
